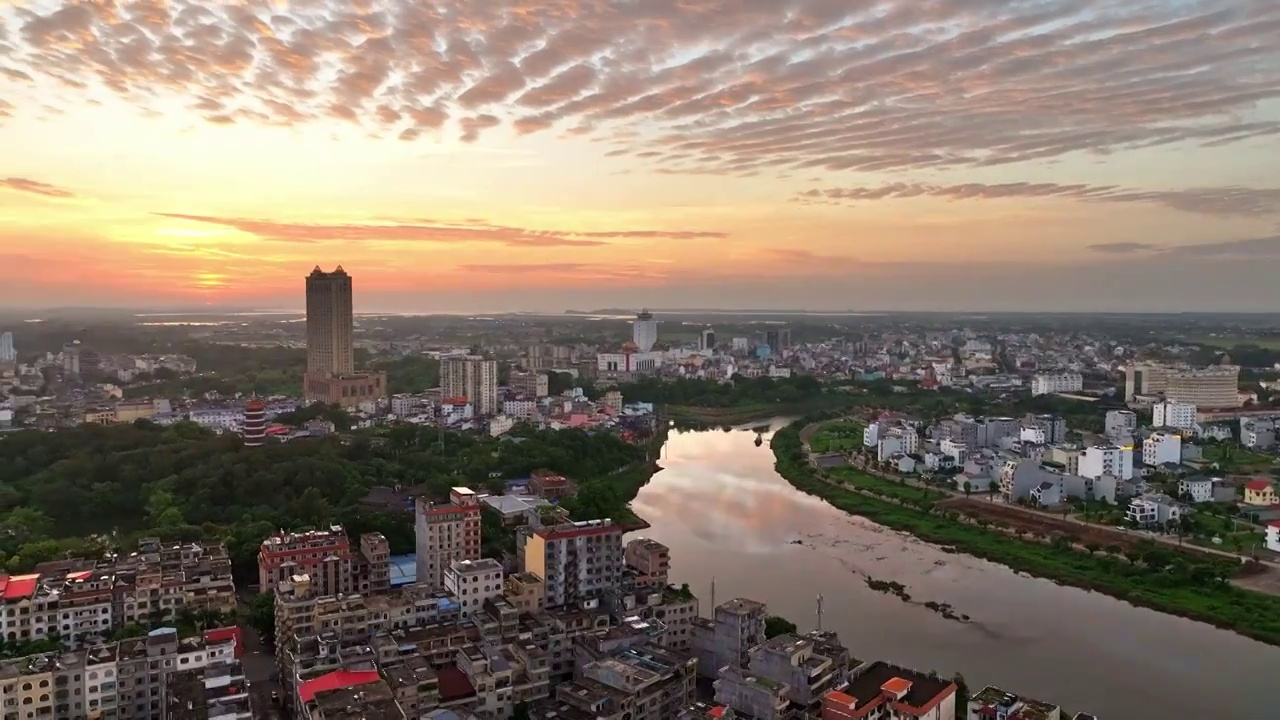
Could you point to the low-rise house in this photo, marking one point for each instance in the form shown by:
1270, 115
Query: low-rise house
1273, 536
1155, 509
881, 690
992, 703
1047, 494
1260, 491
1202, 488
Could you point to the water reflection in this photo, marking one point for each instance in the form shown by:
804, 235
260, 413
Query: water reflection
725, 513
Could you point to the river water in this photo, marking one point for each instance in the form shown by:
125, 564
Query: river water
725, 513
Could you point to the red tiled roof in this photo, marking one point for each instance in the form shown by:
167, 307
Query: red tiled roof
221, 635
454, 684
20, 586
83, 574
1257, 485
716, 712
336, 680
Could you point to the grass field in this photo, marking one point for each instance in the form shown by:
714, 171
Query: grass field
838, 436
1234, 459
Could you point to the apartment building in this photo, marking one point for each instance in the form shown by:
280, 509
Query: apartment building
727, 638
992, 702
577, 561
651, 561
1177, 415
472, 582
445, 533
1053, 428
881, 690
1111, 460
323, 555
1215, 387
474, 378
218, 692
1258, 433
83, 600
752, 695
1062, 382
525, 591
1120, 425
801, 664
1162, 447
679, 610
638, 682
529, 385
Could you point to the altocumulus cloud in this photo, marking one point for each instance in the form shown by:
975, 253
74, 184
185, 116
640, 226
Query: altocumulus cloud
718, 86
34, 187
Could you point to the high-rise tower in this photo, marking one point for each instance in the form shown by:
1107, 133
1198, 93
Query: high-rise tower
644, 331
329, 323
331, 374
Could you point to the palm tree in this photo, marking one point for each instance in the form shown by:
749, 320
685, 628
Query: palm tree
968, 488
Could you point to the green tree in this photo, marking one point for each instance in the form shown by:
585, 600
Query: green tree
775, 626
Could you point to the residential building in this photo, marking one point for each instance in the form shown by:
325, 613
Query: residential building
445, 533
529, 384
326, 556
525, 591
1145, 380
954, 449
331, 375
1258, 433
578, 562
644, 331
1162, 447
809, 666
219, 692
473, 582
1068, 456
1107, 460
1154, 509
474, 378
1121, 425
888, 692
1200, 489
8, 354
549, 486
1061, 382
992, 703
752, 695
1177, 415
1053, 427
707, 341
1273, 536
1215, 387
1026, 480
1260, 492
728, 637
651, 561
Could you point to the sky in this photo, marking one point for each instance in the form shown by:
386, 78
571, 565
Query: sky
492, 155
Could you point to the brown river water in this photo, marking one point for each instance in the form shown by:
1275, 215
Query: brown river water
725, 513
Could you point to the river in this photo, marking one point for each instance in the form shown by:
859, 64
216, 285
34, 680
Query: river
725, 513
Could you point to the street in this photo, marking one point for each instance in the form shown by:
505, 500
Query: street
259, 669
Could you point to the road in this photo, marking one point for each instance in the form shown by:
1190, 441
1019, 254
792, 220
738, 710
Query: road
259, 669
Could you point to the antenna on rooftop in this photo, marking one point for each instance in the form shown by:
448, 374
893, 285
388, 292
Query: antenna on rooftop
713, 596
820, 613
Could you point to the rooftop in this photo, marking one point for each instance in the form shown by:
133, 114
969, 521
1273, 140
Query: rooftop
741, 606
901, 684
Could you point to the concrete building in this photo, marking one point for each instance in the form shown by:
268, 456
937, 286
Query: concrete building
1145, 380
1258, 433
1154, 509
651, 561
1053, 427
1061, 382
885, 691
752, 695
810, 667
578, 562
474, 378
331, 375
707, 340
254, 427
644, 331
1215, 387
1162, 447
530, 384
727, 638
992, 703
8, 353
1101, 460
473, 582
1121, 425
445, 533
1068, 456
1176, 415
1201, 489
219, 692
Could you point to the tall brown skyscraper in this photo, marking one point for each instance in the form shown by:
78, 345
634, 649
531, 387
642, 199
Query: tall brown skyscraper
331, 374
329, 323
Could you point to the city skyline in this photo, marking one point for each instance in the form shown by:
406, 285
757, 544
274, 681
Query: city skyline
547, 155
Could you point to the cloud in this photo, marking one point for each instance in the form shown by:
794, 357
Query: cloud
35, 187
1225, 201
1258, 248
467, 232
732, 87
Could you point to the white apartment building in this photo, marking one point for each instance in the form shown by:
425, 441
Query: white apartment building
1273, 536
1033, 434
871, 435
473, 582
1212, 387
219, 418
955, 449
1063, 382
1102, 460
471, 377
1121, 424
1169, 414
889, 446
1162, 447
1154, 509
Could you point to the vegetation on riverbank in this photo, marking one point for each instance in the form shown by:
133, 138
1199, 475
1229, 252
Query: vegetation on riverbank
1160, 579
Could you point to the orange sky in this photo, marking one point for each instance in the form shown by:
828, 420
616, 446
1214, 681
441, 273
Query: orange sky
543, 154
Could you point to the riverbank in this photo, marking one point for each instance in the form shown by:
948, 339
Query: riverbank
1180, 588
755, 412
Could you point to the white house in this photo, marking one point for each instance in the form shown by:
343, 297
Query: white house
1160, 448
1121, 424
1102, 460
1201, 488
871, 435
1063, 382
954, 448
1273, 536
889, 446
1154, 509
